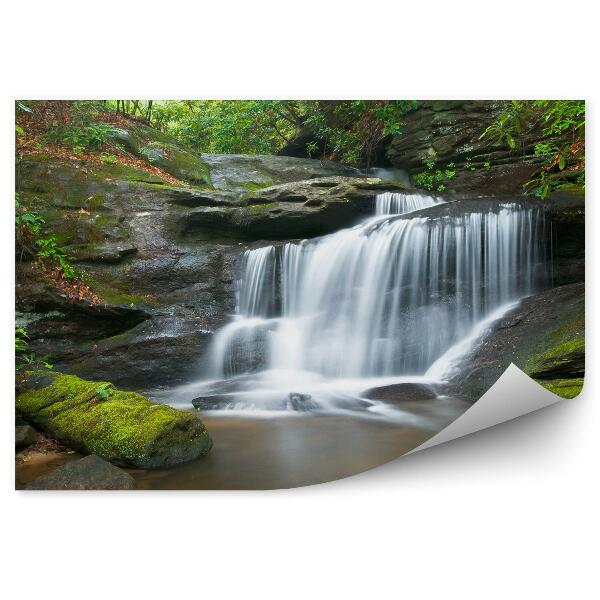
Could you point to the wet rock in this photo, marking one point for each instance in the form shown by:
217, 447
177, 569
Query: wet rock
25, 435
121, 225
215, 402
89, 473
122, 427
546, 339
293, 210
302, 402
401, 392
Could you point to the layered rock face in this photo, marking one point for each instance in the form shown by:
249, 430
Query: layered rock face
161, 256
450, 132
544, 336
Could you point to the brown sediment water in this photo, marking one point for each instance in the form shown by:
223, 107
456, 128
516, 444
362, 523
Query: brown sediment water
286, 452
37, 464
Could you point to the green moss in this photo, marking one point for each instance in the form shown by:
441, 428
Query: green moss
564, 342
126, 428
567, 347
262, 207
565, 388
252, 186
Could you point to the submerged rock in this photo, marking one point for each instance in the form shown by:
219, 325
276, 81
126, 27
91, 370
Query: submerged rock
401, 392
214, 402
122, 427
89, 473
302, 402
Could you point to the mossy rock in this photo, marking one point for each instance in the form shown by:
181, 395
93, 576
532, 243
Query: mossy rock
124, 428
544, 336
162, 151
565, 388
558, 355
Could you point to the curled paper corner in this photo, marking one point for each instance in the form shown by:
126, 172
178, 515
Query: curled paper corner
513, 395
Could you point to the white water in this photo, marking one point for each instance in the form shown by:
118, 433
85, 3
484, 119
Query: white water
391, 299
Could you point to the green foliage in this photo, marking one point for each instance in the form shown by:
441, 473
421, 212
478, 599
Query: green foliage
28, 233
351, 130
230, 126
49, 252
81, 136
432, 178
108, 159
24, 359
560, 125
509, 124
27, 223
105, 390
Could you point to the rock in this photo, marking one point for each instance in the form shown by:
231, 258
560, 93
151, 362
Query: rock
124, 232
165, 152
215, 402
89, 473
544, 336
25, 435
252, 172
401, 392
165, 350
293, 210
302, 402
237, 172
451, 132
567, 209
124, 428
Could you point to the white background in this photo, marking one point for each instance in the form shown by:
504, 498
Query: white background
508, 513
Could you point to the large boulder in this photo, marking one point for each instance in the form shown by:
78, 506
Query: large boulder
25, 435
251, 172
237, 172
163, 151
544, 335
89, 473
122, 427
293, 210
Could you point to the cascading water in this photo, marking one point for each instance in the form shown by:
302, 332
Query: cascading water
386, 298
393, 203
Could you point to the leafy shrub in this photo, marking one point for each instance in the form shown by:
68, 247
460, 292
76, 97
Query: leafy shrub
49, 252
561, 120
108, 159
81, 137
24, 359
45, 250
434, 179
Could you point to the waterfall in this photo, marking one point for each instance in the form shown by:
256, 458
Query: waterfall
385, 298
395, 203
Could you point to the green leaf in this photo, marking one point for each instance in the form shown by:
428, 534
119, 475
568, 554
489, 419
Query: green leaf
19, 130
